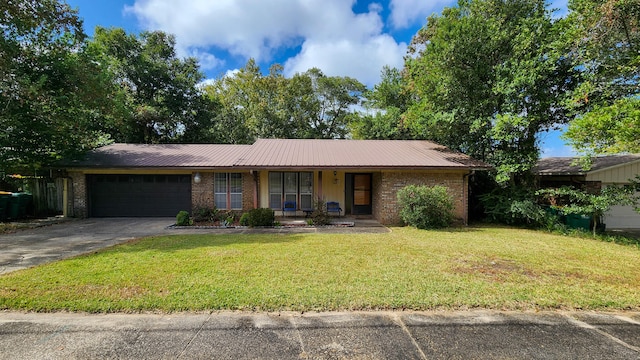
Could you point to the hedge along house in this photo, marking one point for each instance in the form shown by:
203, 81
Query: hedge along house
363, 176
605, 170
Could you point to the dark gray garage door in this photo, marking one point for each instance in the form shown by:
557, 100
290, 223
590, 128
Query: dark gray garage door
138, 195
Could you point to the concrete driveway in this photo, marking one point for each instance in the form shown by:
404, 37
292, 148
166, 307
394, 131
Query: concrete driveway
27, 248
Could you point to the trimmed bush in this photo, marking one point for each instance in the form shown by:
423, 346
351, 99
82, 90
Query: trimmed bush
183, 219
204, 213
426, 207
244, 219
227, 218
261, 217
320, 215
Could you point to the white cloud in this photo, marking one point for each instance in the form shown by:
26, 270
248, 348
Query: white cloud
205, 82
405, 13
231, 72
332, 37
360, 60
243, 27
207, 61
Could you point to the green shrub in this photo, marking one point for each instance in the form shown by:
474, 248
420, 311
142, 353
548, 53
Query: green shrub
183, 219
244, 219
203, 214
320, 215
261, 217
426, 207
227, 218
520, 207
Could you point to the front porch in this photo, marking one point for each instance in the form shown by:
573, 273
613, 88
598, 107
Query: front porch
370, 194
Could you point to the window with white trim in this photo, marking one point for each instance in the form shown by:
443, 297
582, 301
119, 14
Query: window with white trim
291, 186
306, 190
227, 189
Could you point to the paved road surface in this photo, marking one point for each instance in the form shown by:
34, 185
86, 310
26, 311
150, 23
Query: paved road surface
353, 335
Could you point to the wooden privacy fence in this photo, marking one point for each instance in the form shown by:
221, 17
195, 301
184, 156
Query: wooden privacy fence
47, 195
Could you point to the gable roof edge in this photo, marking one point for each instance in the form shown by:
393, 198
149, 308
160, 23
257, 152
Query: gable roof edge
613, 167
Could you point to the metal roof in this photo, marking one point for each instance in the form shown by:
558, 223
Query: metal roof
315, 153
281, 153
164, 155
564, 165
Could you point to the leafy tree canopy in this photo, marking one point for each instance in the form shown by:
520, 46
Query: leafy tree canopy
52, 89
307, 105
603, 40
487, 80
157, 90
385, 106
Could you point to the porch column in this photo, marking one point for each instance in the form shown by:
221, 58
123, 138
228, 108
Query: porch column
256, 176
320, 184
65, 197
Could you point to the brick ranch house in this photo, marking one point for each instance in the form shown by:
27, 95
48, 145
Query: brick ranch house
362, 175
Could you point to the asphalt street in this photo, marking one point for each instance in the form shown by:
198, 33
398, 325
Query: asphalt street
349, 335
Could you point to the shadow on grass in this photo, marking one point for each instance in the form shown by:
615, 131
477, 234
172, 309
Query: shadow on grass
179, 242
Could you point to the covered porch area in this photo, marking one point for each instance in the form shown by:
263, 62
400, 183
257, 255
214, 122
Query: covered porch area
359, 193
295, 194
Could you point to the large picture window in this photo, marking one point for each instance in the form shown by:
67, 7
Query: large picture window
291, 186
227, 188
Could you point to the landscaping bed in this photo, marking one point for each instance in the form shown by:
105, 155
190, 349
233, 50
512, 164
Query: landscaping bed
217, 225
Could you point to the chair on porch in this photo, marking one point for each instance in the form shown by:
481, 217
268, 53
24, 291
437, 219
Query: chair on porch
289, 206
334, 206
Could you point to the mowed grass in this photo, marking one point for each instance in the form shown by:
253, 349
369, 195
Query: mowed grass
484, 267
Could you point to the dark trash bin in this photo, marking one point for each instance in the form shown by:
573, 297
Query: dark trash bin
4, 205
14, 207
19, 204
579, 221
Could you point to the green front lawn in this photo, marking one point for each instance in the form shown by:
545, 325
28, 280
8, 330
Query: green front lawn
485, 267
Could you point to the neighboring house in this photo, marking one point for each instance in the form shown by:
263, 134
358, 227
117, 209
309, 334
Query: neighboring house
362, 175
605, 170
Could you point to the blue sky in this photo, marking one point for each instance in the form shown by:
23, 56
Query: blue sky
341, 37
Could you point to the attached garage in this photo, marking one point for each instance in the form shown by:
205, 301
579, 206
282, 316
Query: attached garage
152, 195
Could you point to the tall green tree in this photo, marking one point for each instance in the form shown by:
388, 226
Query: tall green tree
53, 91
307, 105
336, 97
487, 80
159, 90
603, 40
261, 106
385, 106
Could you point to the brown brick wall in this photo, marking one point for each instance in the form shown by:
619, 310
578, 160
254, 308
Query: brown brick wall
248, 187
387, 184
79, 194
202, 194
